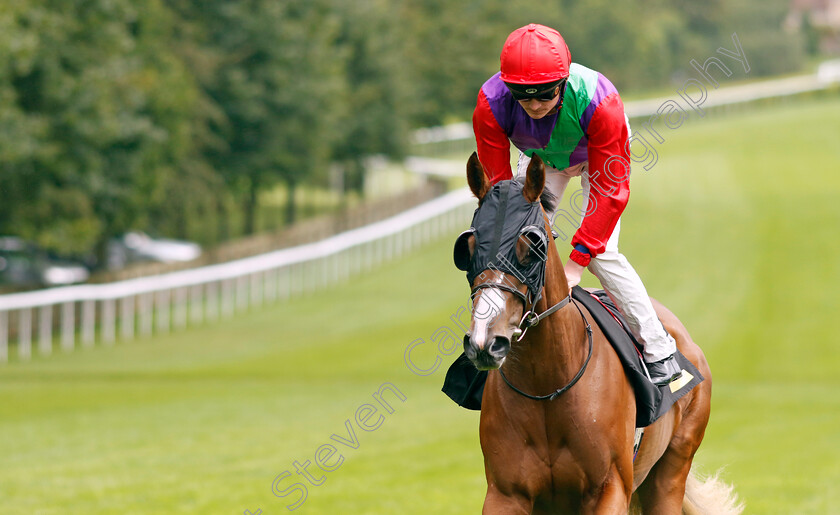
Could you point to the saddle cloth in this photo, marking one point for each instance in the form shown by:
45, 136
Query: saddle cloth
464, 384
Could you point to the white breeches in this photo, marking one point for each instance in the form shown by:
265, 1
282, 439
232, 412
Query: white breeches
617, 276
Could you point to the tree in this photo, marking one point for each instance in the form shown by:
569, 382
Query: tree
276, 82
377, 92
105, 108
451, 49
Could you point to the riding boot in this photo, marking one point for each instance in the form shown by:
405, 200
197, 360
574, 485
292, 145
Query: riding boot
664, 371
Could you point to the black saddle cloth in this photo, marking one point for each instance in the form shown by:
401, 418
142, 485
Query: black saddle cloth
464, 384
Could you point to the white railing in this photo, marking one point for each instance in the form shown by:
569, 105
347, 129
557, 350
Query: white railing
103, 313
741, 94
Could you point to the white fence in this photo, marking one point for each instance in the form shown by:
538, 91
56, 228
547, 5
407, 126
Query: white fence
140, 307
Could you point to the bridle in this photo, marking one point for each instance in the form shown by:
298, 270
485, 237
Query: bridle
498, 253
530, 319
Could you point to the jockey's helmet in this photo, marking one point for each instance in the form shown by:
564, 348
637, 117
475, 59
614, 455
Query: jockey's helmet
535, 54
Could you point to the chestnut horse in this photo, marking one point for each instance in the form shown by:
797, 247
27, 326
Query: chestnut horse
574, 453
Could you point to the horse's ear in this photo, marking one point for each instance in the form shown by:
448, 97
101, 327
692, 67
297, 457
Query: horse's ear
534, 179
479, 184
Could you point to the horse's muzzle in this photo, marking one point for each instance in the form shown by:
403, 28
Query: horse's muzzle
490, 356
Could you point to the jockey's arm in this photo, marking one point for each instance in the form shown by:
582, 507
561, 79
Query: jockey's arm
491, 141
609, 179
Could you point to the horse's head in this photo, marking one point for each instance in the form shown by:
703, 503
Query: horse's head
504, 254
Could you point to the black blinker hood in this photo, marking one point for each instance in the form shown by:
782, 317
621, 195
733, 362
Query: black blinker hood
502, 217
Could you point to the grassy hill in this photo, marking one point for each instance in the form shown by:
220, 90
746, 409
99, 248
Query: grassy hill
735, 229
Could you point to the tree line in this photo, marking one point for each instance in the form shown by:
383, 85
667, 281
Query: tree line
158, 115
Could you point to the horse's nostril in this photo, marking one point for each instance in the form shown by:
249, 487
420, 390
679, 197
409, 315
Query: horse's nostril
469, 349
500, 346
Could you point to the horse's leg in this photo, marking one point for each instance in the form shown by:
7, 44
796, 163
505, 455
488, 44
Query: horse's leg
613, 497
496, 503
664, 488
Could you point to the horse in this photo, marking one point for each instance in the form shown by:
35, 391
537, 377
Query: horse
572, 451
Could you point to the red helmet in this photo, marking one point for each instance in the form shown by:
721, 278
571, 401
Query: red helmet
535, 54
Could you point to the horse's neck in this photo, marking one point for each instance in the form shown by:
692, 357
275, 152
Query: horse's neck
552, 352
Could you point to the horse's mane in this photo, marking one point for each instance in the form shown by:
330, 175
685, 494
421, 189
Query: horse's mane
548, 200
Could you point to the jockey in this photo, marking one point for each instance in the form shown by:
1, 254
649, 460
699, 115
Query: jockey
573, 118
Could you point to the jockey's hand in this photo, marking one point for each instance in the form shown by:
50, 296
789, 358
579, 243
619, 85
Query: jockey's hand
573, 273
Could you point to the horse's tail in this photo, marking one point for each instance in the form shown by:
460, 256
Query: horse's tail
710, 496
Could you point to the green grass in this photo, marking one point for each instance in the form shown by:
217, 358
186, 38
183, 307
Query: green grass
735, 229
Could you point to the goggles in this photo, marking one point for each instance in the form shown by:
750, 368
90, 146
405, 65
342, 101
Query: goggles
541, 92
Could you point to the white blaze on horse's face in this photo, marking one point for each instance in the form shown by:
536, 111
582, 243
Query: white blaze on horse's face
494, 320
488, 306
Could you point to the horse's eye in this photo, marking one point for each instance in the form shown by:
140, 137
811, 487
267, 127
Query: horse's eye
464, 247
531, 245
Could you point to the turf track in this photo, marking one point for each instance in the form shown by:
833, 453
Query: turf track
735, 229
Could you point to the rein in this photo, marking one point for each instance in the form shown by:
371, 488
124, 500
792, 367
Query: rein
559, 391
531, 319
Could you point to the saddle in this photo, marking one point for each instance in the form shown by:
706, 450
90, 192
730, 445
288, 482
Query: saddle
464, 384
